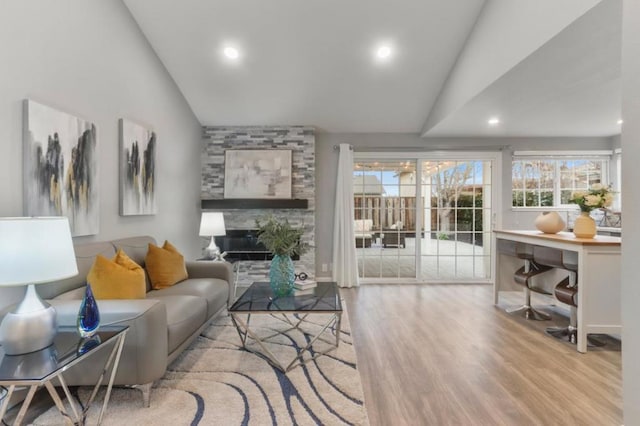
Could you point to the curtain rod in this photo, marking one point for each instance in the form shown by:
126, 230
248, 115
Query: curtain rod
338, 147
428, 148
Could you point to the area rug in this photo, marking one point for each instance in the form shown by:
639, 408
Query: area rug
217, 382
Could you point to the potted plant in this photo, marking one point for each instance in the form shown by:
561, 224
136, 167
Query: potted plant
597, 197
283, 241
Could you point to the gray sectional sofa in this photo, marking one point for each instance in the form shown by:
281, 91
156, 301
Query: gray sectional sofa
161, 326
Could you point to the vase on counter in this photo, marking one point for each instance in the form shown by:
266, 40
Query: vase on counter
549, 222
584, 226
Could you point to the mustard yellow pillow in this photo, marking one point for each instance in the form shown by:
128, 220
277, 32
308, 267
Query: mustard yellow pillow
165, 266
119, 278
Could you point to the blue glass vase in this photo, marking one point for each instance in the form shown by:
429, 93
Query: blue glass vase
282, 275
89, 315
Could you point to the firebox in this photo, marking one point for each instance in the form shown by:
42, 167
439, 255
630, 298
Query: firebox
242, 244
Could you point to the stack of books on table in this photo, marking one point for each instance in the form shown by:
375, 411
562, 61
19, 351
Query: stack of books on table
304, 287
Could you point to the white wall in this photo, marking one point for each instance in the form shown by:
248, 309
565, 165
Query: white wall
506, 32
630, 209
327, 163
90, 58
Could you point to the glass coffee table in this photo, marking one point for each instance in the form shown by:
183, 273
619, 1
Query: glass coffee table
293, 311
40, 368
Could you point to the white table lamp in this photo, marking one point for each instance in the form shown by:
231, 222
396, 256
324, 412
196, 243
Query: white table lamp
212, 225
33, 250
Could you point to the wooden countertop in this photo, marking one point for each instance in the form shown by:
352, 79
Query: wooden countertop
566, 237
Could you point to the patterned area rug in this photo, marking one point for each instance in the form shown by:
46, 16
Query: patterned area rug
217, 382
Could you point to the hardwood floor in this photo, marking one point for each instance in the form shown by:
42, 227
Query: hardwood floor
445, 355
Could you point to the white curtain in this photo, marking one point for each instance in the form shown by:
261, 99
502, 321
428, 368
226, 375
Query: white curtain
345, 268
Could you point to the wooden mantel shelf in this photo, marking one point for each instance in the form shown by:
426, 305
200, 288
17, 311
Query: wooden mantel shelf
254, 203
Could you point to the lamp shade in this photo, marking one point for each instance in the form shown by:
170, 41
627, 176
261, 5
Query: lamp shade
212, 224
35, 250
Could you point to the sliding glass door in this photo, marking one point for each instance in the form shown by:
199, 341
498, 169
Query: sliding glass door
385, 213
426, 218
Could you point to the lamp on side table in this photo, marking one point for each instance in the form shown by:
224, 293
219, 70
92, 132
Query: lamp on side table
212, 225
33, 250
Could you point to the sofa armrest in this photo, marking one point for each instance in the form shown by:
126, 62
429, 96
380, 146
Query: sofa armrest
144, 356
211, 269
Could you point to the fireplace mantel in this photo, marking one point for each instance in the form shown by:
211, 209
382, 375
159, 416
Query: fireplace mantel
254, 203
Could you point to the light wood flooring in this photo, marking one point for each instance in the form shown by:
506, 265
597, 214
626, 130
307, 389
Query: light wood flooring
445, 355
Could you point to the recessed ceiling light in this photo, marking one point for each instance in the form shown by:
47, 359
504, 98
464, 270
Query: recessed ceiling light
493, 121
383, 52
231, 52
620, 121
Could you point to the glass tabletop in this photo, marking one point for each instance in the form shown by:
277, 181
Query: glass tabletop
324, 297
67, 347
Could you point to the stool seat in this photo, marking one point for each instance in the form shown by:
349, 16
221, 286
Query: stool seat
522, 277
566, 294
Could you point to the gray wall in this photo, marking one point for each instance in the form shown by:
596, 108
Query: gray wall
327, 163
91, 59
631, 210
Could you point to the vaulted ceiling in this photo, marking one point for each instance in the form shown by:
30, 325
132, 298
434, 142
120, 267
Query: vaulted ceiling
543, 68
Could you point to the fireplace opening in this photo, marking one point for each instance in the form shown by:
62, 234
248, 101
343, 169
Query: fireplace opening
242, 244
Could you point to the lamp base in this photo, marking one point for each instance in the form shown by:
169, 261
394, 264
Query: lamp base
212, 252
31, 327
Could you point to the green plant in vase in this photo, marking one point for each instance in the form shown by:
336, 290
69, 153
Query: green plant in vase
283, 241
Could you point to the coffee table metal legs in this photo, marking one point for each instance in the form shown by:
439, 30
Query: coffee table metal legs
244, 331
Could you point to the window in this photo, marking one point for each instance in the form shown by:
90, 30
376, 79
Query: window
549, 182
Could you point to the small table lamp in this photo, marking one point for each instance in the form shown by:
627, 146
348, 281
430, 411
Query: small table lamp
33, 250
212, 225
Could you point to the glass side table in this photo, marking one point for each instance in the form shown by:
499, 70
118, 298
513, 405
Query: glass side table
39, 368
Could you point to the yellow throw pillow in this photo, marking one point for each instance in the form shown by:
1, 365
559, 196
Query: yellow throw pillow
165, 266
119, 278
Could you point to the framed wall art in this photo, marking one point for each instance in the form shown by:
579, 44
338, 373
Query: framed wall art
60, 167
137, 169
257, 173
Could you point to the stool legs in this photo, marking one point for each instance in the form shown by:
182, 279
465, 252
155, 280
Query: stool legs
570, 333
527, 311
523, 275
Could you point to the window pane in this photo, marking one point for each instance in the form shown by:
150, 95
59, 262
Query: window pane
540, 179
517, 175
547, 174
518, 198
546, 198
565, 195
532, 198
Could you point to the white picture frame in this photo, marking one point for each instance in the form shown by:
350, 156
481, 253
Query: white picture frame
257, 173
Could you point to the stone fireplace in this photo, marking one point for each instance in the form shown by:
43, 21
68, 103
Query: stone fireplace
299, 212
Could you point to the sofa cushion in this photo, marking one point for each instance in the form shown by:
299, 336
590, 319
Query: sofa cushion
184, 315
165, 266
136, 248
214, 290
118, 278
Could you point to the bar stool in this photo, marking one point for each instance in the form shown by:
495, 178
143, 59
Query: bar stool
567, 292
523, 277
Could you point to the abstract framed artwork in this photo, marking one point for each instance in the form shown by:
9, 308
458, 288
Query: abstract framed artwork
257, 173
60, 167
137, 169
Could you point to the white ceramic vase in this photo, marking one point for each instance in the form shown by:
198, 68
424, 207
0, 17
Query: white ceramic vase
549, 222
584, 226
